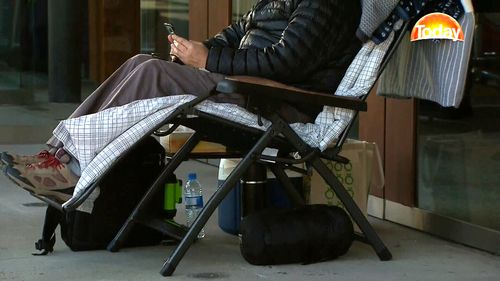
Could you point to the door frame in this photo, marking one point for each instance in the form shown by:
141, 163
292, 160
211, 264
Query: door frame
207, 18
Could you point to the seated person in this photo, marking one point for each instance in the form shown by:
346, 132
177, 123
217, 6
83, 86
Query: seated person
305, 43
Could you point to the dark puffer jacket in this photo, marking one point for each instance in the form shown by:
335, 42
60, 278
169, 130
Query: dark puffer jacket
306, 43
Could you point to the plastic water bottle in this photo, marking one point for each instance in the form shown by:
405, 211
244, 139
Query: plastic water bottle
193, 199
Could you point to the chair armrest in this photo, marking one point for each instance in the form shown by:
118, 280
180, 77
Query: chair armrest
269, 89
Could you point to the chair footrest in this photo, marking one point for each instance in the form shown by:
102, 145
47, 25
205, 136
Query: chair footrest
168, 227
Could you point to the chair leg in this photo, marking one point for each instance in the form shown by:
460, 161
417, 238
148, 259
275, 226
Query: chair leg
292, 193
171, 263
351, 207
143, 205
374, 240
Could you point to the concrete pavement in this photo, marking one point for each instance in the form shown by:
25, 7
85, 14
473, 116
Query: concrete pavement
417, 256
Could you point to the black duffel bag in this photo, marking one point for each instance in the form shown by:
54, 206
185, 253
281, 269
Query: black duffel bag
308, 234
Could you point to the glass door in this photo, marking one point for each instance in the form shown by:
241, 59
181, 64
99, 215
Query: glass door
20, 61
25, 113
86, 44
156, 12
442, 165
459, 149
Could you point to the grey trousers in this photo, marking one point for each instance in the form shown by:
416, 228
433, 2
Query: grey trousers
145, 77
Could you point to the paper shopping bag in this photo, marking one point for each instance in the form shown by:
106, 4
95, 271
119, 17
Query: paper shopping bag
364, 171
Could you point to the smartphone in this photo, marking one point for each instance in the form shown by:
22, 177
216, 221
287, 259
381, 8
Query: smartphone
169, 28
170, 31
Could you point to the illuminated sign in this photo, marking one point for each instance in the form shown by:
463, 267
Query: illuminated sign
437, 26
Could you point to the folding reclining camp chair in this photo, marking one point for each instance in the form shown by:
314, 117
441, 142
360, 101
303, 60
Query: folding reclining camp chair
265, 97
265, 129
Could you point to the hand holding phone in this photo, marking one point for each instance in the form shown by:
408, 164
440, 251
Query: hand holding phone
170, 31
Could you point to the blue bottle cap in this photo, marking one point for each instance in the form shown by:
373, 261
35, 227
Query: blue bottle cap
191, 176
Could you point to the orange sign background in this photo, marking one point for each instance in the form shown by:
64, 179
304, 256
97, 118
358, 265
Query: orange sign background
437, 26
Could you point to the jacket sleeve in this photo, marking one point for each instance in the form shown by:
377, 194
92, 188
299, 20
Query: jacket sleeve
293, 57
229, 37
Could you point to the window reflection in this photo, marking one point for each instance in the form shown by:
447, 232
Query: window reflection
240, 7
153, 14
459, 149
112, 31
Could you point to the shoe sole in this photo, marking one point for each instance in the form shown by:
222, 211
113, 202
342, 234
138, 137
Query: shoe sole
9, 161
5, 159
53, 194
3, 167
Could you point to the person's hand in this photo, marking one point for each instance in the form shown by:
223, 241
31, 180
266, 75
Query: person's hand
189, 52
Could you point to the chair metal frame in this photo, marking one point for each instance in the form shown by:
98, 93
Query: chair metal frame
250, 143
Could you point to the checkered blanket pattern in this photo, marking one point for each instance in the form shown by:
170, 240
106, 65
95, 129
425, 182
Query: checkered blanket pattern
97, 140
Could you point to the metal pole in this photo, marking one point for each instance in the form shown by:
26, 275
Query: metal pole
65, 48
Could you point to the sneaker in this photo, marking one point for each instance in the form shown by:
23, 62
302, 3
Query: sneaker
62, 155
3, 167
10, 159
49, 178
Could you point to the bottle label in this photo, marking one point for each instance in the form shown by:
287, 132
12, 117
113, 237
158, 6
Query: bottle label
195, 201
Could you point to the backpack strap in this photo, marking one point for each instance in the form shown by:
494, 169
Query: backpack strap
53, 218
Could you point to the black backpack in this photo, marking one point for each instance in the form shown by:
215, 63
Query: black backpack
120, 191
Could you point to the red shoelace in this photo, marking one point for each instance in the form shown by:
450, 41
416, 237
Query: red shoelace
44, 154
51, 162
